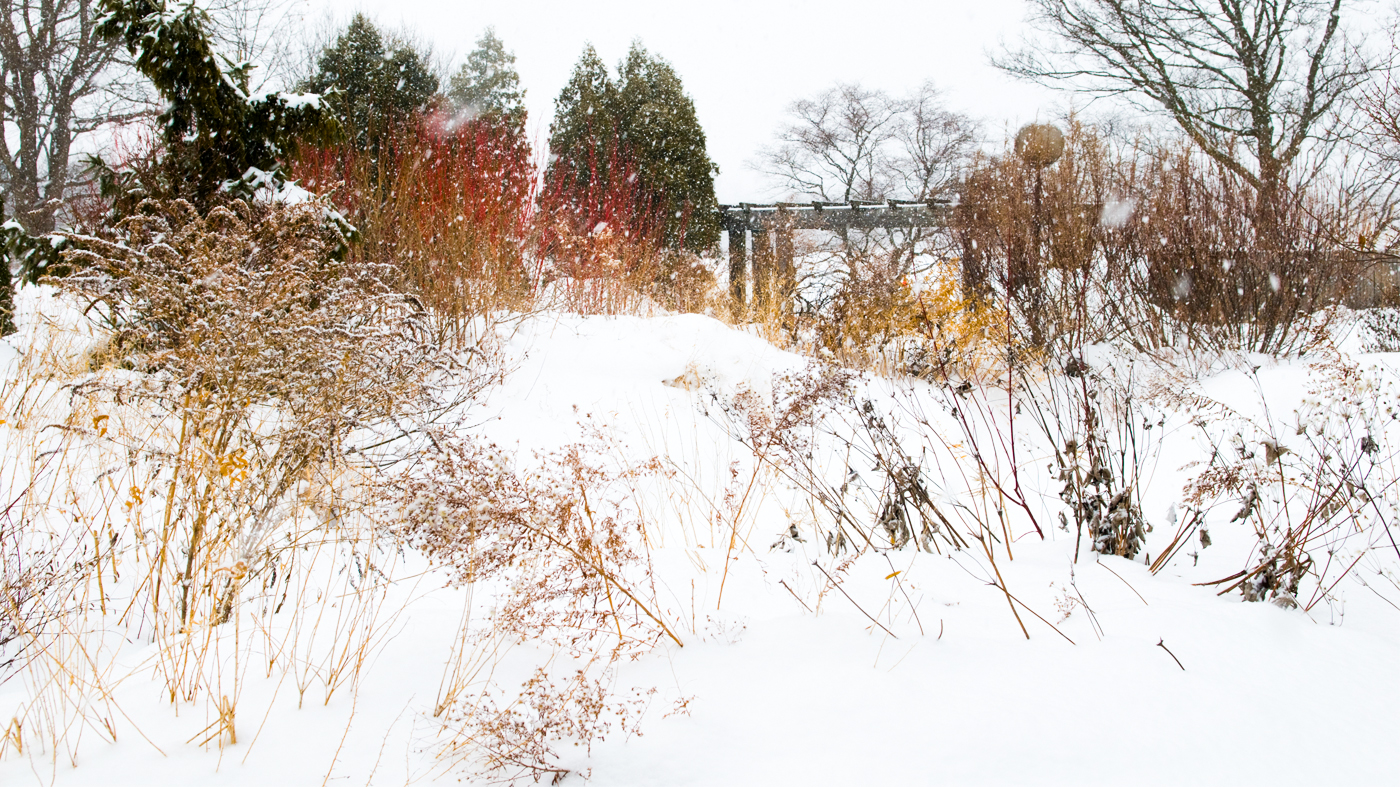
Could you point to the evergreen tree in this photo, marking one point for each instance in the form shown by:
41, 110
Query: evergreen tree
377, 89
582, 138
645, 121
487, 85
7, 288
217, 138
659, 125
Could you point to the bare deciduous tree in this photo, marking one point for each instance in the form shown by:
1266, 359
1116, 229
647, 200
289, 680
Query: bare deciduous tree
835, 148
1270, 74
1375, 178
268, 33
60, 81
853, 143
52, 66
933, 145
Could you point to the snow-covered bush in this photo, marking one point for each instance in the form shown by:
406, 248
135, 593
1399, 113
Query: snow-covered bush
237, 380
269, 354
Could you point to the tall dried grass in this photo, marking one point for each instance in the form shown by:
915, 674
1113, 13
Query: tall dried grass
225, 412
473, 232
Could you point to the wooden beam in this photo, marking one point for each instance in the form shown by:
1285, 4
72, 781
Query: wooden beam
893, 214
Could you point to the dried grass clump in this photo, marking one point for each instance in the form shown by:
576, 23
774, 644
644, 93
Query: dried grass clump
41, 578
261, 355
561, 547
1320, 493
958, 333
196, 477
871, 313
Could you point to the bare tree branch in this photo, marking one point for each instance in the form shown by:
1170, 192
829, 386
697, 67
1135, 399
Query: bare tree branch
57, 80
1270, 75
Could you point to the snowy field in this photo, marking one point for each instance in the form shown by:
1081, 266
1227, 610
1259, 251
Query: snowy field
1014, 659
282, 522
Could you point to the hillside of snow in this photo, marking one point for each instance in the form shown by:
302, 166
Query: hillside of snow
784, 631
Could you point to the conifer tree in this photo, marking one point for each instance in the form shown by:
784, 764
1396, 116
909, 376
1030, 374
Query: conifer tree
645, 119
582, 136
377, 89
660, 127
487, 85
7, 296
216, 136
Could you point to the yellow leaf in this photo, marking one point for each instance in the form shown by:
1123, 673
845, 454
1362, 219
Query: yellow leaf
895, 574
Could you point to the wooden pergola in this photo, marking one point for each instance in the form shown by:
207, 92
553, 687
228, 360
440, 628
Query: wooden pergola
772, 226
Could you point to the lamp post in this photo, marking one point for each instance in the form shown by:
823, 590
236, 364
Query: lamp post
1039, 145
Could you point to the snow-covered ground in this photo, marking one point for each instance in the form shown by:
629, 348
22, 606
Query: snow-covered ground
798, 667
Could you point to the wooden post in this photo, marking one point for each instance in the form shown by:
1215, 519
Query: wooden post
787, 277
737, 228
762, 266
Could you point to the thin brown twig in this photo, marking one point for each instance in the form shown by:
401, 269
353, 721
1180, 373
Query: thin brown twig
1124, 581
794, 595
837, 585
1033, 612
1162, 644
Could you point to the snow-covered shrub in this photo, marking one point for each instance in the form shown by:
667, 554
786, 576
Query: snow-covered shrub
264, 350
203, 461
1382, 326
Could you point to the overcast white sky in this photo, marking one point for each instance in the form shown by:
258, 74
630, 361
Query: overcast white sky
743, 62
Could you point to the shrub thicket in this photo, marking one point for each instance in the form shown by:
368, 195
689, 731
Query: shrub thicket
1150, 244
